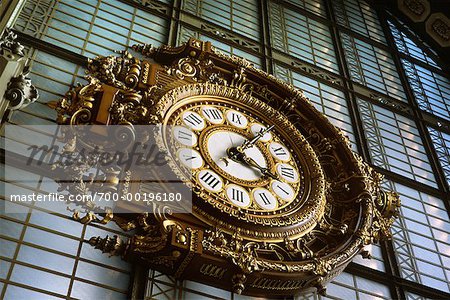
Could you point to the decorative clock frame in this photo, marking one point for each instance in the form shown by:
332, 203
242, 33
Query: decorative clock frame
343, 210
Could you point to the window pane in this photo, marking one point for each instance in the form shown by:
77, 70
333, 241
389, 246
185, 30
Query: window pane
431, 90
45, 259
441, 143
91, 28
40, 279
314, 6
301, 37
407, 46
326, 99
375, 262
348, 286
359, 17
421, 238
186, 33
372, 67
15, 292
239, 16
395, 143
83, 290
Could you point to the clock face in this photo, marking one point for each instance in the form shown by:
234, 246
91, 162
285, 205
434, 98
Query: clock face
260, 176
239, 162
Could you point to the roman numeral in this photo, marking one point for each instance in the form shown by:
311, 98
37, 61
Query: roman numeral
264, 198
183, 135
187, 157
210, 180
236, 118
287, 172
192, 119
213, 113
279, 151
237, 195
283, 190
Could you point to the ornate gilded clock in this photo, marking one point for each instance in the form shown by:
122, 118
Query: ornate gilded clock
280, 203
247, 161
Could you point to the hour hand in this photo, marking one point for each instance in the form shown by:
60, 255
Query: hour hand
265, 171
235, 154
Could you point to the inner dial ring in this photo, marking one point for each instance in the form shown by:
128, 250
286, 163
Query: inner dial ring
265, 158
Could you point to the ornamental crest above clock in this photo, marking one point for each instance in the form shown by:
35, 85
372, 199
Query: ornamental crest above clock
280, 203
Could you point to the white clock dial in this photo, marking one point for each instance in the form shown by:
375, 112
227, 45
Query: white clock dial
283, 190
213, 114
287, 172
193, 120
217, 145
279, 151
264, 198
190, 158
238, 195
210, 180
237, 119
184, 136
256, 128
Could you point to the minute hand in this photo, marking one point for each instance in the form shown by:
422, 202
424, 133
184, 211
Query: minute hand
249, 143
265, 171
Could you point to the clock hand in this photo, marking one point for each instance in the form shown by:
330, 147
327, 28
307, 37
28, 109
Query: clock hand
265, 171
241, 157
231, 139
224, 159
249, 143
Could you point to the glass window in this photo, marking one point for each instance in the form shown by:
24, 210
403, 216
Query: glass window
186, 33
15, 292
431, 90
44, 238
372, 67
359, 17
375, 262
314, 6
441, 143
45, 259
40, 279
325, 98
421, 238
91, 28
239, 16
41, 247
395, 143
407, 46
83, 290
412, 296
302, 37
348, 286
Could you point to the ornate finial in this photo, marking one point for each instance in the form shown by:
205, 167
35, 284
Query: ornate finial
145, 49
20, 92
239, 283
8, 42
112, 245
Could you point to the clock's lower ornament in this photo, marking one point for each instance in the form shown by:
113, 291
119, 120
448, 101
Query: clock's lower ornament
300, 206
227, 261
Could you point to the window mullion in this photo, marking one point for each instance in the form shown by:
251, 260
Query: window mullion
266, 43
427, 143
351, 101
174, 22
